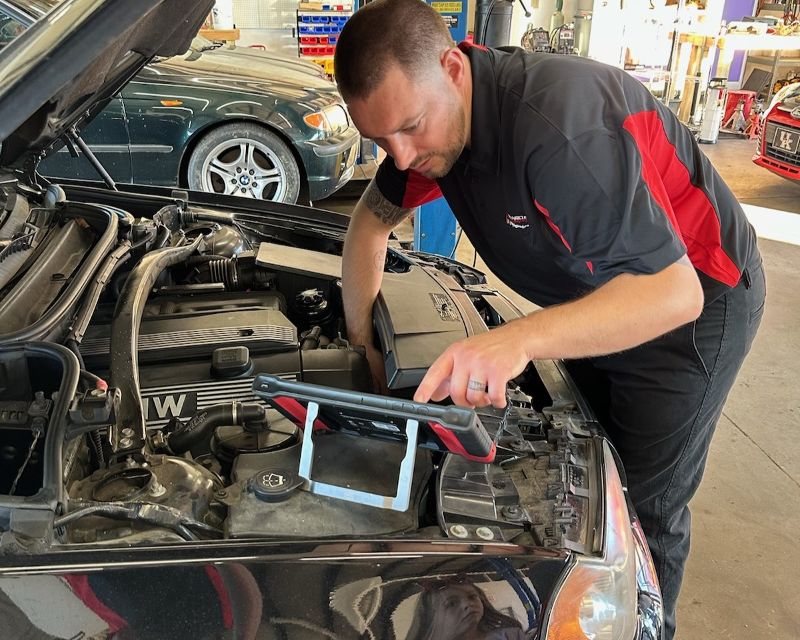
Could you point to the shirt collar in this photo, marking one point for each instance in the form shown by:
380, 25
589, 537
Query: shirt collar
483, 152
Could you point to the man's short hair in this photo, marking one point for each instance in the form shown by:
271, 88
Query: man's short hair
385, 32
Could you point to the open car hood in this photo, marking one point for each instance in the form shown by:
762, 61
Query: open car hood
64, 68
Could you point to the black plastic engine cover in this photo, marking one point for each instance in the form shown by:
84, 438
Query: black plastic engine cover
175, 327
417, 320
179, 335
180, 389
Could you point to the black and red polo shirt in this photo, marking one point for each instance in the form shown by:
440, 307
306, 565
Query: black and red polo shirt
576, 174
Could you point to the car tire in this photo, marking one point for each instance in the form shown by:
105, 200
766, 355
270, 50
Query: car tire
246, 160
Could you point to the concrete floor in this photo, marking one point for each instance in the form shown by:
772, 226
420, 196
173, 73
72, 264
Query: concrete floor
744, 568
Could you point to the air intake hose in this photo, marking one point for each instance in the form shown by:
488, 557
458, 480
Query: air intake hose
128, 435
200, 426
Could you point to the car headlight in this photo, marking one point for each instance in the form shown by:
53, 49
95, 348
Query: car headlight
332, 119
782, 94
597, 600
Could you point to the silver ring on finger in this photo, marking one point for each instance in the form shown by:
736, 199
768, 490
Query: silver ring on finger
476, 385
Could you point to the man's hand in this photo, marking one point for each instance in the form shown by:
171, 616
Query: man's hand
467, 368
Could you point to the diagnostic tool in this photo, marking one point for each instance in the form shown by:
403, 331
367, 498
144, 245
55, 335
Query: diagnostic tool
316, 408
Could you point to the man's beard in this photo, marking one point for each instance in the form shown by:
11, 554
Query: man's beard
452, 152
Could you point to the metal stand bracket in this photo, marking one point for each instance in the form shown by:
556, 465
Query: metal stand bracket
399, 502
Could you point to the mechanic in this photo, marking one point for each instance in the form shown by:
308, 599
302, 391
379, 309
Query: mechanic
589, 198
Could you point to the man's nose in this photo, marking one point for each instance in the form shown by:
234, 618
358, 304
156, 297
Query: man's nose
403, 153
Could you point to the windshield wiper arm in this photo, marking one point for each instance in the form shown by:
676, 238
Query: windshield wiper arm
74, 138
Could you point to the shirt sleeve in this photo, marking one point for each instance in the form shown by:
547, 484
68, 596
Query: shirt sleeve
593, 193
406, 189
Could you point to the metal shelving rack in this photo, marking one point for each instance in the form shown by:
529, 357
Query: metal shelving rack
318, 28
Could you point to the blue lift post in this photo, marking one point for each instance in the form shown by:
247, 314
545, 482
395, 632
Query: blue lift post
434, 223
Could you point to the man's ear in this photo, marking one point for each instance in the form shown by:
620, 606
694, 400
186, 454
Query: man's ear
452, 61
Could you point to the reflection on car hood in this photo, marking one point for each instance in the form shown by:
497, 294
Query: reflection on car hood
346, 590
227, 71
69, 63
269, 59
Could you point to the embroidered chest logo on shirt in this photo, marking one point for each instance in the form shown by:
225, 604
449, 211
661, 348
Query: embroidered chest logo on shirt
517, 222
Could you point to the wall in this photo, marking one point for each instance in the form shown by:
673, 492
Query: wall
736, 10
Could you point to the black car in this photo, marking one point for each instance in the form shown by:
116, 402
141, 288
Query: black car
238, 122
190, 446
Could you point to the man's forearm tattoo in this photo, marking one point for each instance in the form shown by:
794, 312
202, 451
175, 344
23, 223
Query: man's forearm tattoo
387, 212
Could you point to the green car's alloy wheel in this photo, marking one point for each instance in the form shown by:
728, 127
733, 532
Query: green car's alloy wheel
244, 160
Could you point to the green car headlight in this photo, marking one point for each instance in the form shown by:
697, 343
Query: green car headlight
332, 119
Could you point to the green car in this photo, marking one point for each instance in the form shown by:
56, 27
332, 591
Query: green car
228, 121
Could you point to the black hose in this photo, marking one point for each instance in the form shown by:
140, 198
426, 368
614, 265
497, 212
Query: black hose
97, 444
190, 216
72, 345
200, 426
193, 260
94, 382
148, 236
221, 269
225, 271
184, 533
311, 340
154, 514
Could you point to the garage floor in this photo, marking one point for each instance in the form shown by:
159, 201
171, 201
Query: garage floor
744, 568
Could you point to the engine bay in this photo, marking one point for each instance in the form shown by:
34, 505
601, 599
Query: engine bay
132, 415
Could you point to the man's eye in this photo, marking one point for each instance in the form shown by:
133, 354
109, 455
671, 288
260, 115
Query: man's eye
412, 128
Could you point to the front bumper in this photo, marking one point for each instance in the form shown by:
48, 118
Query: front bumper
778, 168
783, 163
330, 163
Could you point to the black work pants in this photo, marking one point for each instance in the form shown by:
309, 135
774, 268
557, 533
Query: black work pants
660, 403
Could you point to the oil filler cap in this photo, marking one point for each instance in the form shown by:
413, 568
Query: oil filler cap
229, 362
274, 485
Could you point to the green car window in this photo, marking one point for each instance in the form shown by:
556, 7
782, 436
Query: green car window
10, 28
